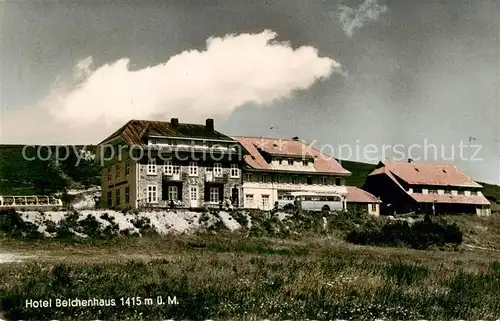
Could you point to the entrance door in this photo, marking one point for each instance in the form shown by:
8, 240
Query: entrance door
193, 196
235, 196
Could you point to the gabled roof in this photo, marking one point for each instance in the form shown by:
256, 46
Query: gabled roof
357, 195
426, 174
134, 131
286, 147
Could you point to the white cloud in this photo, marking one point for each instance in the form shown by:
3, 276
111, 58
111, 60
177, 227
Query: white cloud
354, 19
192, 85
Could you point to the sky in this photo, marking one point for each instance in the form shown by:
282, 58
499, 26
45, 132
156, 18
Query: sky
363, 80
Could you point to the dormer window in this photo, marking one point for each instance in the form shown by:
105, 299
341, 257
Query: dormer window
305, 162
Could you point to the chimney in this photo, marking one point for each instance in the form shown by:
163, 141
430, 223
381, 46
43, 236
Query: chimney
174, 122
410, 160
209, 124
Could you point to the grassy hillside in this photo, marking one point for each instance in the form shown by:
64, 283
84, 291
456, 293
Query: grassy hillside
491, 191
38, 171
359, 172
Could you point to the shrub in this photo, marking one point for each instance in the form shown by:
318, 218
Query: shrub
12, 224
421, 235
143, 224
241, 218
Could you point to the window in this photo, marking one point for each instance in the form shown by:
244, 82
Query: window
171, 169
118, 171
280, 161
290, 162
214, 194
248, 177
309, 180
118, 198
305, 162
152, 166
193, 193
249, 200
127, 195
461, 193
324, 180
127, 168
152, 194
168, 168
193, 169
473, 193
265, 201
263, 178
110, 200
109, 175
217, 170
279, 179
447, 192
338, 181
173, 193
433, 191
235, 171
295, 179
374, 207
417, 190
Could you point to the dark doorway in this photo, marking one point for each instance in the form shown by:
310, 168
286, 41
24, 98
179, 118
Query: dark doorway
235, 196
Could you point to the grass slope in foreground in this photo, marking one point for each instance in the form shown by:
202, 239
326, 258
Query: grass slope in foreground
227, 276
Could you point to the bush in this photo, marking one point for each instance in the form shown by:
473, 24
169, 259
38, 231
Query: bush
143, 224
241, 218
421, 235
349, 221
13, 225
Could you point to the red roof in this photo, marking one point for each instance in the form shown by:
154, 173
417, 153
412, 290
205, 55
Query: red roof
286, 147
460, 199
357, 195
426, 174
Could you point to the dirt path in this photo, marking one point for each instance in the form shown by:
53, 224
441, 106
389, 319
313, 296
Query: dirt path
7, 257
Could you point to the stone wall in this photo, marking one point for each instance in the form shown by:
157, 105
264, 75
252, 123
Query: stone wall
186, 181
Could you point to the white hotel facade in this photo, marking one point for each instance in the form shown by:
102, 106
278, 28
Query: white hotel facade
276, 167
